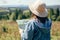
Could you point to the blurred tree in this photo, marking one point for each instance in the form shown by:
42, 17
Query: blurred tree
57, 11
16, 12
10, 12
0, 17
51, 12
20, 14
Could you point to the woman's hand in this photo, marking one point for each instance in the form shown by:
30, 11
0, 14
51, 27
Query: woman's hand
20, 30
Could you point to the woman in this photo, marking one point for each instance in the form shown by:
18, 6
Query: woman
38, 28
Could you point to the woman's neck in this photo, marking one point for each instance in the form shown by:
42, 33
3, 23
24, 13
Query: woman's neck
42, 19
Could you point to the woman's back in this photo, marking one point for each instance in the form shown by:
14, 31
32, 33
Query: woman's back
37, 31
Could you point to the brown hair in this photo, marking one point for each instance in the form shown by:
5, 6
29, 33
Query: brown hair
42, 19
33, 16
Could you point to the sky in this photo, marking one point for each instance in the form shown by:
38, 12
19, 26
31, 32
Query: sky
26, 2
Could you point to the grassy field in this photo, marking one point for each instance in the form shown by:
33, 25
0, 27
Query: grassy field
55, 31
9, 30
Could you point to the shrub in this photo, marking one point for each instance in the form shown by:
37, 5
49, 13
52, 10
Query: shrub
4, 29
53, 17
58, 18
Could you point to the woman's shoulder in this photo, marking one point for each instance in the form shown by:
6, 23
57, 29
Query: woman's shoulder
49, 20
31, 22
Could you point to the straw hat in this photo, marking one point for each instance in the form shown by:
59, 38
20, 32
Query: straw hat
39, 8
